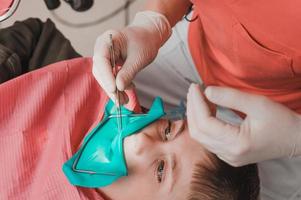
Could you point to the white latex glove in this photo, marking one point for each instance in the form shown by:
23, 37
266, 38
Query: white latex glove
270, 130
135, 47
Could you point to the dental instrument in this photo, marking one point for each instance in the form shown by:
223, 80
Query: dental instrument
115, 71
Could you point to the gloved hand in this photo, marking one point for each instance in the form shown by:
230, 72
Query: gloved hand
135, 47
270, 130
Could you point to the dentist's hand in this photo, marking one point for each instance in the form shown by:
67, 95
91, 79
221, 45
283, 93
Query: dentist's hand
135, 47
270, 130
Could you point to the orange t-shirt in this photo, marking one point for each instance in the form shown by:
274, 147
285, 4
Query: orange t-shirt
254, 46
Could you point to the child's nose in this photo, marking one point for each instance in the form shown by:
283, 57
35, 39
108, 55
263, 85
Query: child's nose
145, 142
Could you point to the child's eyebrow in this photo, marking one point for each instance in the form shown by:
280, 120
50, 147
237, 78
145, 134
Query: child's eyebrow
174, 172
180, 130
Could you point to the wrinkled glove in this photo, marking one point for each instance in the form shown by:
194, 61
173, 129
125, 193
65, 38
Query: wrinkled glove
135, 47
270, 130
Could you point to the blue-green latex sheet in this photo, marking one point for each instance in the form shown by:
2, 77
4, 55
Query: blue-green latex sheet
100, 161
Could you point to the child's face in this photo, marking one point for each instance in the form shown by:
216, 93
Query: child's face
159, 167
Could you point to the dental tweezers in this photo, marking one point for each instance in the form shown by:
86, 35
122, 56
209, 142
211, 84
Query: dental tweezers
115, 71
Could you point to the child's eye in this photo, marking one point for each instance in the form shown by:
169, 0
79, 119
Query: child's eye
167, 132
160, 171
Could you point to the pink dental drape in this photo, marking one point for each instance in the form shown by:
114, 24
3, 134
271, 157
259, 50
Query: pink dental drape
5, 5
44, 115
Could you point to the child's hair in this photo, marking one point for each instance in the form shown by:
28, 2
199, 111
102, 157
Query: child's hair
224, 182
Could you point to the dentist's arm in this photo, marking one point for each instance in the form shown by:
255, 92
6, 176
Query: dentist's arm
136, 45
173, 10
270, 130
